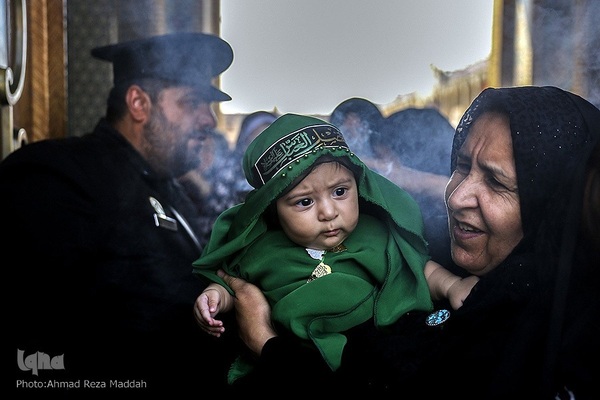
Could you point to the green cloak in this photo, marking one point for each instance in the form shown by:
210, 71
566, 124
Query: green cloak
379, 275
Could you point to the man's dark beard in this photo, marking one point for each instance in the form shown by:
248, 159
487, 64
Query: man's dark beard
175, 162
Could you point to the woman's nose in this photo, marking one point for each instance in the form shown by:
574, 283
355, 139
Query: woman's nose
461, 194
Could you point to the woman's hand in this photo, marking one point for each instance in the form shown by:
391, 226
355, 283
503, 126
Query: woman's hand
253, 313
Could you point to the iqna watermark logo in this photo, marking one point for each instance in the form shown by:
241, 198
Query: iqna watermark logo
39, 360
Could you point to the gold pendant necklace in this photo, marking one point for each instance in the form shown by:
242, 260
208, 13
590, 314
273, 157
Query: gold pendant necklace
322, 269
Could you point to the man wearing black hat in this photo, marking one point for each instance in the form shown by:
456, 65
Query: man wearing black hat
103, 238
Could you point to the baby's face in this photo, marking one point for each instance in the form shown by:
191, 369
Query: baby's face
322, 210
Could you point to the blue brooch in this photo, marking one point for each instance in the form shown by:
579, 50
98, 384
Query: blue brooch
437, 317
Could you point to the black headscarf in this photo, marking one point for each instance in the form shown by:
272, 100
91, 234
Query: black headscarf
539, 287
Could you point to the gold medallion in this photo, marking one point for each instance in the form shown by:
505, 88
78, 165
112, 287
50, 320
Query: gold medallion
321, 270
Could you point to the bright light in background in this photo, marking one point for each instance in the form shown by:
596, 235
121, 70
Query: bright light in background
307, 56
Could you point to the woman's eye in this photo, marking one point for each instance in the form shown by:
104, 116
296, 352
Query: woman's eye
463, 167
493, 182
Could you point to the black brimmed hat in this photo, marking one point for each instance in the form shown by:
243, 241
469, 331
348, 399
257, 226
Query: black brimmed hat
188, 58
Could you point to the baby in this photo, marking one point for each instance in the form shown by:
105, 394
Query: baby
331, 243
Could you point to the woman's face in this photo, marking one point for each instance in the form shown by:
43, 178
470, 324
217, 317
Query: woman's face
322, 210
482, 197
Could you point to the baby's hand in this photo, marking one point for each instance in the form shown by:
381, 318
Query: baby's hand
459, 290
206, 308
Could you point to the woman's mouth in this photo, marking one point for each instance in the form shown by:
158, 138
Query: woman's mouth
464, 231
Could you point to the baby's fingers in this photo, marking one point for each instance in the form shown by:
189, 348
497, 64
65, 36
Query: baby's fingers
214, 330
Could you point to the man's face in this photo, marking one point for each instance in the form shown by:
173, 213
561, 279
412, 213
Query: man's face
180, 120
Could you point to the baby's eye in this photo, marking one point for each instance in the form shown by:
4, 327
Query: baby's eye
304, 202
340, 191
